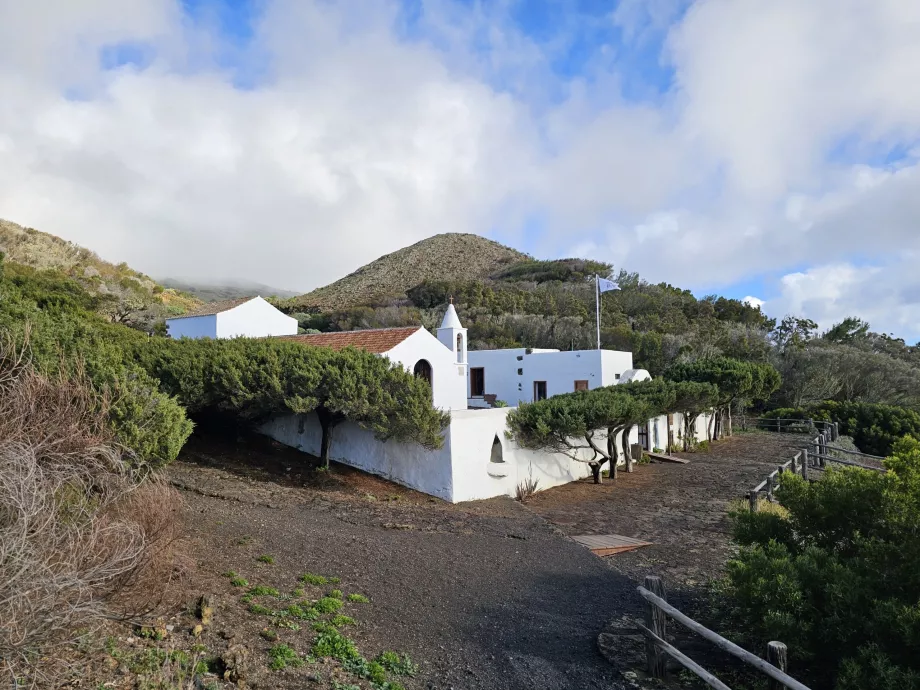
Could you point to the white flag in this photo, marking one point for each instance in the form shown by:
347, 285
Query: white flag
604, 285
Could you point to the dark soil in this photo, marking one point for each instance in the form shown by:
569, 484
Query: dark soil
681, 509
482, 595
489, 594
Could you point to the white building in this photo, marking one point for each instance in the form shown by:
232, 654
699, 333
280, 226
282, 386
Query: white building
251, 317
477, 459
525, 375
416, 350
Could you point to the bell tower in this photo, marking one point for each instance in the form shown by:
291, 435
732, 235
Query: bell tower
452, 334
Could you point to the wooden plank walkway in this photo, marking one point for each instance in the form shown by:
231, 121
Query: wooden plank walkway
666, 458
609, 544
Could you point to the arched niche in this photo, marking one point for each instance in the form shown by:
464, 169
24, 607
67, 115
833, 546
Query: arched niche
497, 465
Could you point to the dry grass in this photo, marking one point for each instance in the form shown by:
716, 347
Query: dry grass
81, 539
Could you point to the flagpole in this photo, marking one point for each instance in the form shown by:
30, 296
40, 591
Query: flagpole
597, 304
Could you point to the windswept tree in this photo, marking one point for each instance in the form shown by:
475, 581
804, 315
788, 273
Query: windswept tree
735, 381
256, 379
584, 425
573, 423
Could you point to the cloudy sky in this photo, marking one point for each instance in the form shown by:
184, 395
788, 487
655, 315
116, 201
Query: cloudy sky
762, 148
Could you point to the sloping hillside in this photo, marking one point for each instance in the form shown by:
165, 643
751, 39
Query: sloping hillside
126, 292
213, 292
452, 256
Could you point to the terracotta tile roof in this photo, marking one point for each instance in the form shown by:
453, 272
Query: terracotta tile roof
378, 340
210, 308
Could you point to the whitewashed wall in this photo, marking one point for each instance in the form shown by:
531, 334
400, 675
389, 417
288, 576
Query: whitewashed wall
448, 377
193, 327
254, 319
463, 470
560, 370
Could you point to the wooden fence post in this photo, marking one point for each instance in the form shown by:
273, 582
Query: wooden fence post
752, 501
657, 622
769, 488
777, 654
778, 425
805, 464
836, 430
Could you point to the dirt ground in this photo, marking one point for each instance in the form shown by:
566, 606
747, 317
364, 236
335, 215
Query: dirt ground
481, 595
489, 594
681, 509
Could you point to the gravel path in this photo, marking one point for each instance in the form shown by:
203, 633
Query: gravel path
483, 595
681, 509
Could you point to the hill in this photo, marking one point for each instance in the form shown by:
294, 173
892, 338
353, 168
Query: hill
123, 294
211, 292
451, 256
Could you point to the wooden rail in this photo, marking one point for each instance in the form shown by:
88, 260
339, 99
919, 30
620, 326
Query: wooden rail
658, 649
803, 459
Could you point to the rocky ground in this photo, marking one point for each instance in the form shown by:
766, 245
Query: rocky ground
490, 594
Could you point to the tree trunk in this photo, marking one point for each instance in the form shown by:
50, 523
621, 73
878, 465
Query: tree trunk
612, 451
596, 472
730, 420
327, 421
627, 454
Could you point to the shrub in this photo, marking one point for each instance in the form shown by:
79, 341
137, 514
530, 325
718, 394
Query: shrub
80, 540
265, 558
336, 594
283, 656
263, 591
332, 643
836, 576
311, 579
327, 605
358, 598
400, 665
874, 427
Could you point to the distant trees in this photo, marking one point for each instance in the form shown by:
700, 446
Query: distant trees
254, 380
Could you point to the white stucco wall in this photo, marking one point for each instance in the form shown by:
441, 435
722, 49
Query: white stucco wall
448, 378
408, 464
560, 370
254, 319
193, 327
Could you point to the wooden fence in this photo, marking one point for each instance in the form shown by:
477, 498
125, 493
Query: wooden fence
657, 613
817, 454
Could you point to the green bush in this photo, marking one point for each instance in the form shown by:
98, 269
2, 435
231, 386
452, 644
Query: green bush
56, 318
874, 427
837, 575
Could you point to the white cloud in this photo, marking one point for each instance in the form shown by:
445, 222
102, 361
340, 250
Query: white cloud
766, 155
886, 295
754, 301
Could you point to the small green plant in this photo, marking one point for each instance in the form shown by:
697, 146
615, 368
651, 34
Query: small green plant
301, 611
269, 634
358, 598
289, 625
336, 594
311, 579
327, 605
332, 643
152, 632
388, 685
340, 620
265, 558
283, 656
245, 540
298, 593
263, 591
238, 581
246, 598
260, 610
334, 580
336, 685
657, 450
394, 663
363, 668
